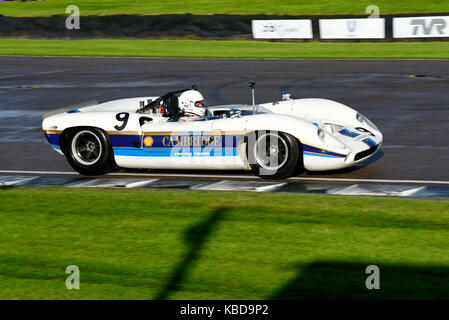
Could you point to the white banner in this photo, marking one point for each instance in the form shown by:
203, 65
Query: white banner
366, 28
421, 27
282, 29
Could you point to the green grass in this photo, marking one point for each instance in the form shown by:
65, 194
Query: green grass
274, 7
147, 244
225, 49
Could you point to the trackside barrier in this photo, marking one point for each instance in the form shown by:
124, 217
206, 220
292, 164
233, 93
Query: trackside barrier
357, 27
222, 26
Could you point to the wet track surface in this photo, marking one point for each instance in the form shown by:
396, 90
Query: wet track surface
412, 112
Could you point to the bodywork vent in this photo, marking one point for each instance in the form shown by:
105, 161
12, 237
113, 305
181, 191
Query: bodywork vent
365, 153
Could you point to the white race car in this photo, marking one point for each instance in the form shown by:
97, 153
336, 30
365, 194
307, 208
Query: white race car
276, 140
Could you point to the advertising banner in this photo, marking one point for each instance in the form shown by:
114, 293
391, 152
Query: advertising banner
365, 28
282, 29
421, 27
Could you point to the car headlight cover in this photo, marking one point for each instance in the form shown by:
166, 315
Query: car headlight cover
362, 119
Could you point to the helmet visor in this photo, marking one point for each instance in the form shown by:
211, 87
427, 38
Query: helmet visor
200, 104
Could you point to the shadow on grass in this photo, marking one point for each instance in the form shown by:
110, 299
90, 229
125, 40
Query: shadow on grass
346, 280
195, 238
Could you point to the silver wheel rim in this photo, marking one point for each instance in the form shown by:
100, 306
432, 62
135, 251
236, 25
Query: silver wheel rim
271, 151
86, 147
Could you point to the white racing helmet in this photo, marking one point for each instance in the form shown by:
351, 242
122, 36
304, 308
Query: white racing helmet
192, 103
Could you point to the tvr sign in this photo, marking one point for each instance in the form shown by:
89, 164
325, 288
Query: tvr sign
439, 25
421, 27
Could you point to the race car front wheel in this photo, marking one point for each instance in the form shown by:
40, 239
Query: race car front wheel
273, 154
89, 151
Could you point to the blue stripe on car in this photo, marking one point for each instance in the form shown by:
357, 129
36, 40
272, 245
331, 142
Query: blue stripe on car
175, 152
161, 141
130, 145
348, 133
53, 138
311, 150
370, 142
320, 155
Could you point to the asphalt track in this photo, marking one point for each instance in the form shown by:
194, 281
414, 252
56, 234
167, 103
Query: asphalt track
412, 112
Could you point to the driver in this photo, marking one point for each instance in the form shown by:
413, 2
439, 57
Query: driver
192, 103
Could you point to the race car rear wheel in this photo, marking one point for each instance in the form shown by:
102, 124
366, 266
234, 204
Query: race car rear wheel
272, 154
89, 151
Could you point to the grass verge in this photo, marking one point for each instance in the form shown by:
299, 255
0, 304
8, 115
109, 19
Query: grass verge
174, 244
226, 49
276, 7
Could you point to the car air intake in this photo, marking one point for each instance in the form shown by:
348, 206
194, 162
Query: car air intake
365, 153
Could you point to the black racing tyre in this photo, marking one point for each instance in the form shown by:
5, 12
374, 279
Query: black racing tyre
300, 165
273, 154
89, 151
